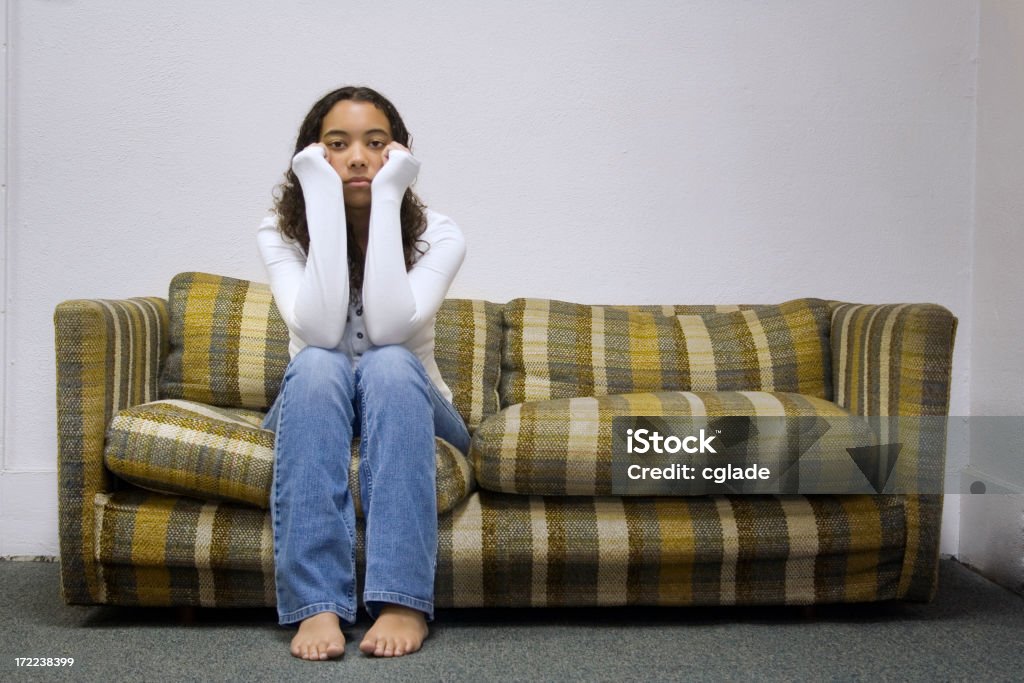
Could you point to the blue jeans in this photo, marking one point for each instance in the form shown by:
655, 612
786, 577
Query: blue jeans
324, 401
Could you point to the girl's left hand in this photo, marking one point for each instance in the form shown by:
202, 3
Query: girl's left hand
394, 145
396, 174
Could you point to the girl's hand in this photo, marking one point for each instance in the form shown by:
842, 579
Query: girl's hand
394, 145
315, 174
398, 172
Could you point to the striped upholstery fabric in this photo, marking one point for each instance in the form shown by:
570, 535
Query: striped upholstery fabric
108, 358
467, 348
564, 446
761, 348
211, 453
892, 359
553, 349
520, 551
229, 346
896, 360
123, 545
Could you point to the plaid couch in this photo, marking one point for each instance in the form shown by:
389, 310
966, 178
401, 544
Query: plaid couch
165, 474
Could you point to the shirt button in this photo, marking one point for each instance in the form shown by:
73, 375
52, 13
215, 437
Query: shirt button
359, 334
359, 311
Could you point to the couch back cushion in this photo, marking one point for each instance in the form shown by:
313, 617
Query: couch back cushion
467, 348
783, 347
229, 346
228, 343
555, 349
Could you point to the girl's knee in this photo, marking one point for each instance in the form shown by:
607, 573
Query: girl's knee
318, 358
392, 362
314, 365
388, 353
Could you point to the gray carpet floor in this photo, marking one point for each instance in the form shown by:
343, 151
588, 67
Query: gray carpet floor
974, 630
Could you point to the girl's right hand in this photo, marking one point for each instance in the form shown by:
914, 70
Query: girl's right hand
315, 174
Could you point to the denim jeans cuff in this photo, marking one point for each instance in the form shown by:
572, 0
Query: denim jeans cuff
348, 617
372, 600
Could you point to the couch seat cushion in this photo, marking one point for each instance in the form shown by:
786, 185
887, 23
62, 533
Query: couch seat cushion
565, 446
505, 550
211, 453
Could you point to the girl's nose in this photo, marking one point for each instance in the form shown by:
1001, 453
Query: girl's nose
357, 155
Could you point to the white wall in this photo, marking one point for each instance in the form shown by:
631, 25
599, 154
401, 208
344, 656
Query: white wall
607, 152
992, 527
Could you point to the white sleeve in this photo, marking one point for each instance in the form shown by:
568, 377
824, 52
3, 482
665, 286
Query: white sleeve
310, 292
398, 303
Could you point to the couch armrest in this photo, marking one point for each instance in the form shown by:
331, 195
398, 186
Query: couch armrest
895, 360
892, 359
109, 354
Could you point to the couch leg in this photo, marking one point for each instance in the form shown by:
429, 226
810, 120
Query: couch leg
186, 614
809, 612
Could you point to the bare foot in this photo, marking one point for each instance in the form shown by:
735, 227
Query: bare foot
319, 637
398, 631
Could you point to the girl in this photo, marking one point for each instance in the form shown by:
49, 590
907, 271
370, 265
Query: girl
358, 267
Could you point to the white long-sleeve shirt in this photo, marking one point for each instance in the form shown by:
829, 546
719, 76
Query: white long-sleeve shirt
395, 306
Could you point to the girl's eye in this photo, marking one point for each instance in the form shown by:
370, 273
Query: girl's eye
337, 144
378, 142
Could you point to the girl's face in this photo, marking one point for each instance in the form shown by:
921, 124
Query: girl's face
355, 135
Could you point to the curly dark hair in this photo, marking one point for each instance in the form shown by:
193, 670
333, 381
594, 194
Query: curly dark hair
290, 205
